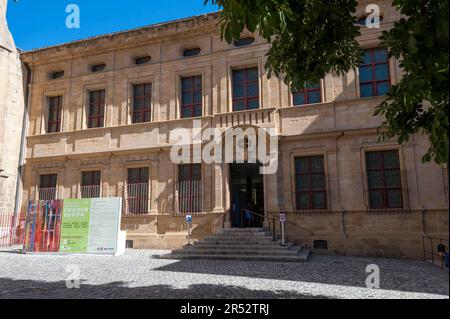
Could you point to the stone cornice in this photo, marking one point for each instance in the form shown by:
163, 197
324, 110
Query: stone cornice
151, 33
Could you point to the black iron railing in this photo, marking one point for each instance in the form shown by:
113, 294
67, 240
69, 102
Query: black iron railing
271, 224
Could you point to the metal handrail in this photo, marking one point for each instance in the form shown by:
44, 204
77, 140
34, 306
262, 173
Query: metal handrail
271, 230
256, 214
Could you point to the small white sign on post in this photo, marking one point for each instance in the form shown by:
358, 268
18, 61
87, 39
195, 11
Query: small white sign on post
189, 218
282, 217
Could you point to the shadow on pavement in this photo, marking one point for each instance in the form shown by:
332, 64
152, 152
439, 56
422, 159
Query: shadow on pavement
30, 289
401, 275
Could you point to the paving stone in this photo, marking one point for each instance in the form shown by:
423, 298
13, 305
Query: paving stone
141, 274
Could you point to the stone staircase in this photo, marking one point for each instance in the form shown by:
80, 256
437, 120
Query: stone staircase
253, 244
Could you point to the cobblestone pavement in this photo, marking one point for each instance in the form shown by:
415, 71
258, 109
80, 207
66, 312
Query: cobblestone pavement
140, 274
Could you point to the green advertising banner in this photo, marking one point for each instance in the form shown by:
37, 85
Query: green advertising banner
75, 226
90, 226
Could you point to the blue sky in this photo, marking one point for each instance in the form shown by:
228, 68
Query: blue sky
39, 23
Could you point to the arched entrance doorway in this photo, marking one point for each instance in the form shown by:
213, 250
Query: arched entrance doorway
247, 193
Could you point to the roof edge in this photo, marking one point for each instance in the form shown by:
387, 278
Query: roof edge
106, 35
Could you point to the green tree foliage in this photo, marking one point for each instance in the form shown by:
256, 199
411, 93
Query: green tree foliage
419, 103
310, 38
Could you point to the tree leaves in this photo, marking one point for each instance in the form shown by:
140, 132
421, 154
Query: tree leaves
420, 102
311, 38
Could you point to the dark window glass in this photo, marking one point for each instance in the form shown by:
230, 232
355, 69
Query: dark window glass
244, 42
384, 180
138, 190
48, 181
47, 186
96, 110
142, 100
54, 114
191, 96
310, 183
374, 75
309, 95
138, 175
90, 184
90, 178
363, 21
142, 60
56, 75
98, 67
245, 89
191, 52
190, 188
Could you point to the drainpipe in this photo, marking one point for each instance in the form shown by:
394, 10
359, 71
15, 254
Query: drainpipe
22, 142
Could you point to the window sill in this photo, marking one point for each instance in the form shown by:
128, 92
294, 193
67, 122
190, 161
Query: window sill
389, 211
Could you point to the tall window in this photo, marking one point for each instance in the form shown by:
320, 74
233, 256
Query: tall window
384, 180
310, 183
245, 89
54, 114
142, 100
190, 188
96, 116
191, 96
47, 186
374, 75
137, 188
309, 95
90, 184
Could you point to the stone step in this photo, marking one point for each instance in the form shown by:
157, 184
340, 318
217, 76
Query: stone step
247, 252
239, 243
241, 247
258, 234
242, 230
301, 257
239, 238
255, 244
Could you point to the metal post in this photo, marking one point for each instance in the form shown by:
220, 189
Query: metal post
189, 233
274, 235
283, 241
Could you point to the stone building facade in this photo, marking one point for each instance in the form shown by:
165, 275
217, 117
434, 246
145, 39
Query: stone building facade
102, 111
12, 111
